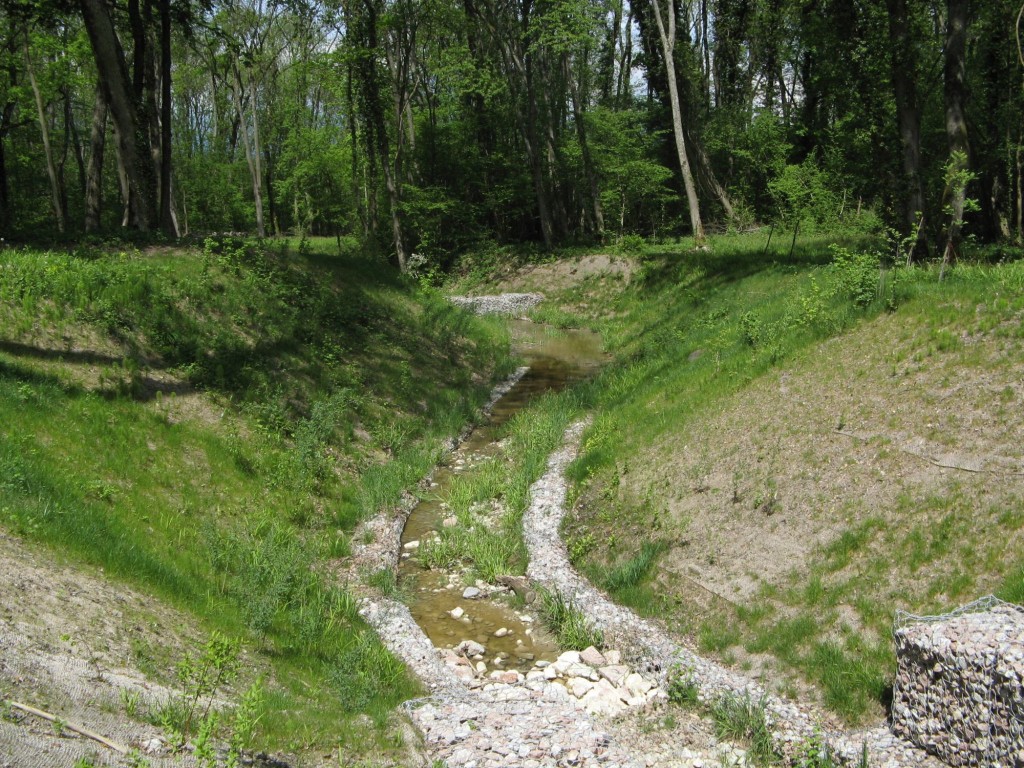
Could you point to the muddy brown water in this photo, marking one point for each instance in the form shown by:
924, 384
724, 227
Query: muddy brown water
556, 359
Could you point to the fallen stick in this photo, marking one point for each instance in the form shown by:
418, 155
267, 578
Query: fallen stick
936, 462
79, 729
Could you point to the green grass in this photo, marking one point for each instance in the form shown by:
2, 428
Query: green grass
568, 623
494, 549
743, 719
210, 425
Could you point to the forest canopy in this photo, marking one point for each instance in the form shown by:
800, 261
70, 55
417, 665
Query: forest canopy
432, 126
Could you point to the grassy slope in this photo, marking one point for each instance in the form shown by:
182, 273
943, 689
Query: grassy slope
762, 471
207, 426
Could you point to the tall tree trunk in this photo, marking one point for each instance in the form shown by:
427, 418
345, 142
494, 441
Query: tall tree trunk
908, 114
71, 137
623, 85
667, 33
588, 162
44, 128
133, 144
94, 172
606, 74
534, 156
252, 156
955, 92
167, 218
707, 174
1020, 187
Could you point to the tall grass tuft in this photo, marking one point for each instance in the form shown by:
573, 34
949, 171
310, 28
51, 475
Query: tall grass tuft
568, 622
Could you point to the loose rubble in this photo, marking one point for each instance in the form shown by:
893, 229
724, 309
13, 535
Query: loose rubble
503, 304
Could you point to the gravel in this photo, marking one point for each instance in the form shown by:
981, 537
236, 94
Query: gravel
502, 304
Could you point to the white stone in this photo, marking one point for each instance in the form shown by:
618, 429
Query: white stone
456, 612
614, 674
579, 687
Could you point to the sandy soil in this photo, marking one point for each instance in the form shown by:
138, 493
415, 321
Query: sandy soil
75, 644
859, 428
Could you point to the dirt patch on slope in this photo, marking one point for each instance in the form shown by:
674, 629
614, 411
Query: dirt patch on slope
876, 423
563, 274
79, 646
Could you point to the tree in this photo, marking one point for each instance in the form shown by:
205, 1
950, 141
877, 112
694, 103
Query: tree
955, 93
130, 126
666, 21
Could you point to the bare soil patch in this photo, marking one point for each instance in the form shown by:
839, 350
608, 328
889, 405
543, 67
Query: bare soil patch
563, 274
882, 469
77, 645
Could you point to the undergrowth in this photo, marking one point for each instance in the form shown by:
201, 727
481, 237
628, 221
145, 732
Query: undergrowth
568, 623
210, 425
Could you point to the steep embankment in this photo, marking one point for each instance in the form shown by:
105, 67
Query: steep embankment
196, 432
786, 451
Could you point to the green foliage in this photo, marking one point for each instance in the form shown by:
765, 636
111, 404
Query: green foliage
191, 713
635, 570
682, 687
857, 275
365, 672
815, 753
222, 493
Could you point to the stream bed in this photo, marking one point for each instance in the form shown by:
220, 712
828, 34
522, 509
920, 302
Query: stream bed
511, 638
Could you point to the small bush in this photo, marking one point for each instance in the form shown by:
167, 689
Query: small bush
682, 687
857, 275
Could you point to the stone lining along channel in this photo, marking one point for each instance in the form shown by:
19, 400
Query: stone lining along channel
448, 609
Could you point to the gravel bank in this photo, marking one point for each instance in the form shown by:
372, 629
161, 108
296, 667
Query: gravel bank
502, 304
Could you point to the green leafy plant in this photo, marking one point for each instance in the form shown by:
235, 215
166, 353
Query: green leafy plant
814, 753
200, 677
682, 687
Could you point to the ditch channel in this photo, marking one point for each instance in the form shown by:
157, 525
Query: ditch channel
446, 609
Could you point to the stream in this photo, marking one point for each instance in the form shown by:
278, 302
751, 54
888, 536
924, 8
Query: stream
556, 360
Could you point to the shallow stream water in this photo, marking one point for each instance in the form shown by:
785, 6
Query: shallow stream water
556, 359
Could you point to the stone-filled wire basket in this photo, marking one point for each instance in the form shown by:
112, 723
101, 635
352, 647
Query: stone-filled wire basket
959, 689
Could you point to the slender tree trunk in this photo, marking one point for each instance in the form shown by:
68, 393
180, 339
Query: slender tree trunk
167, 218
623, 85
607, 68
132, 136
1020, 189
94, 172
71, 136
44, 128
588, 162
909, 117
707, 173
252, 157
955, 91
536, 167
667, 33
